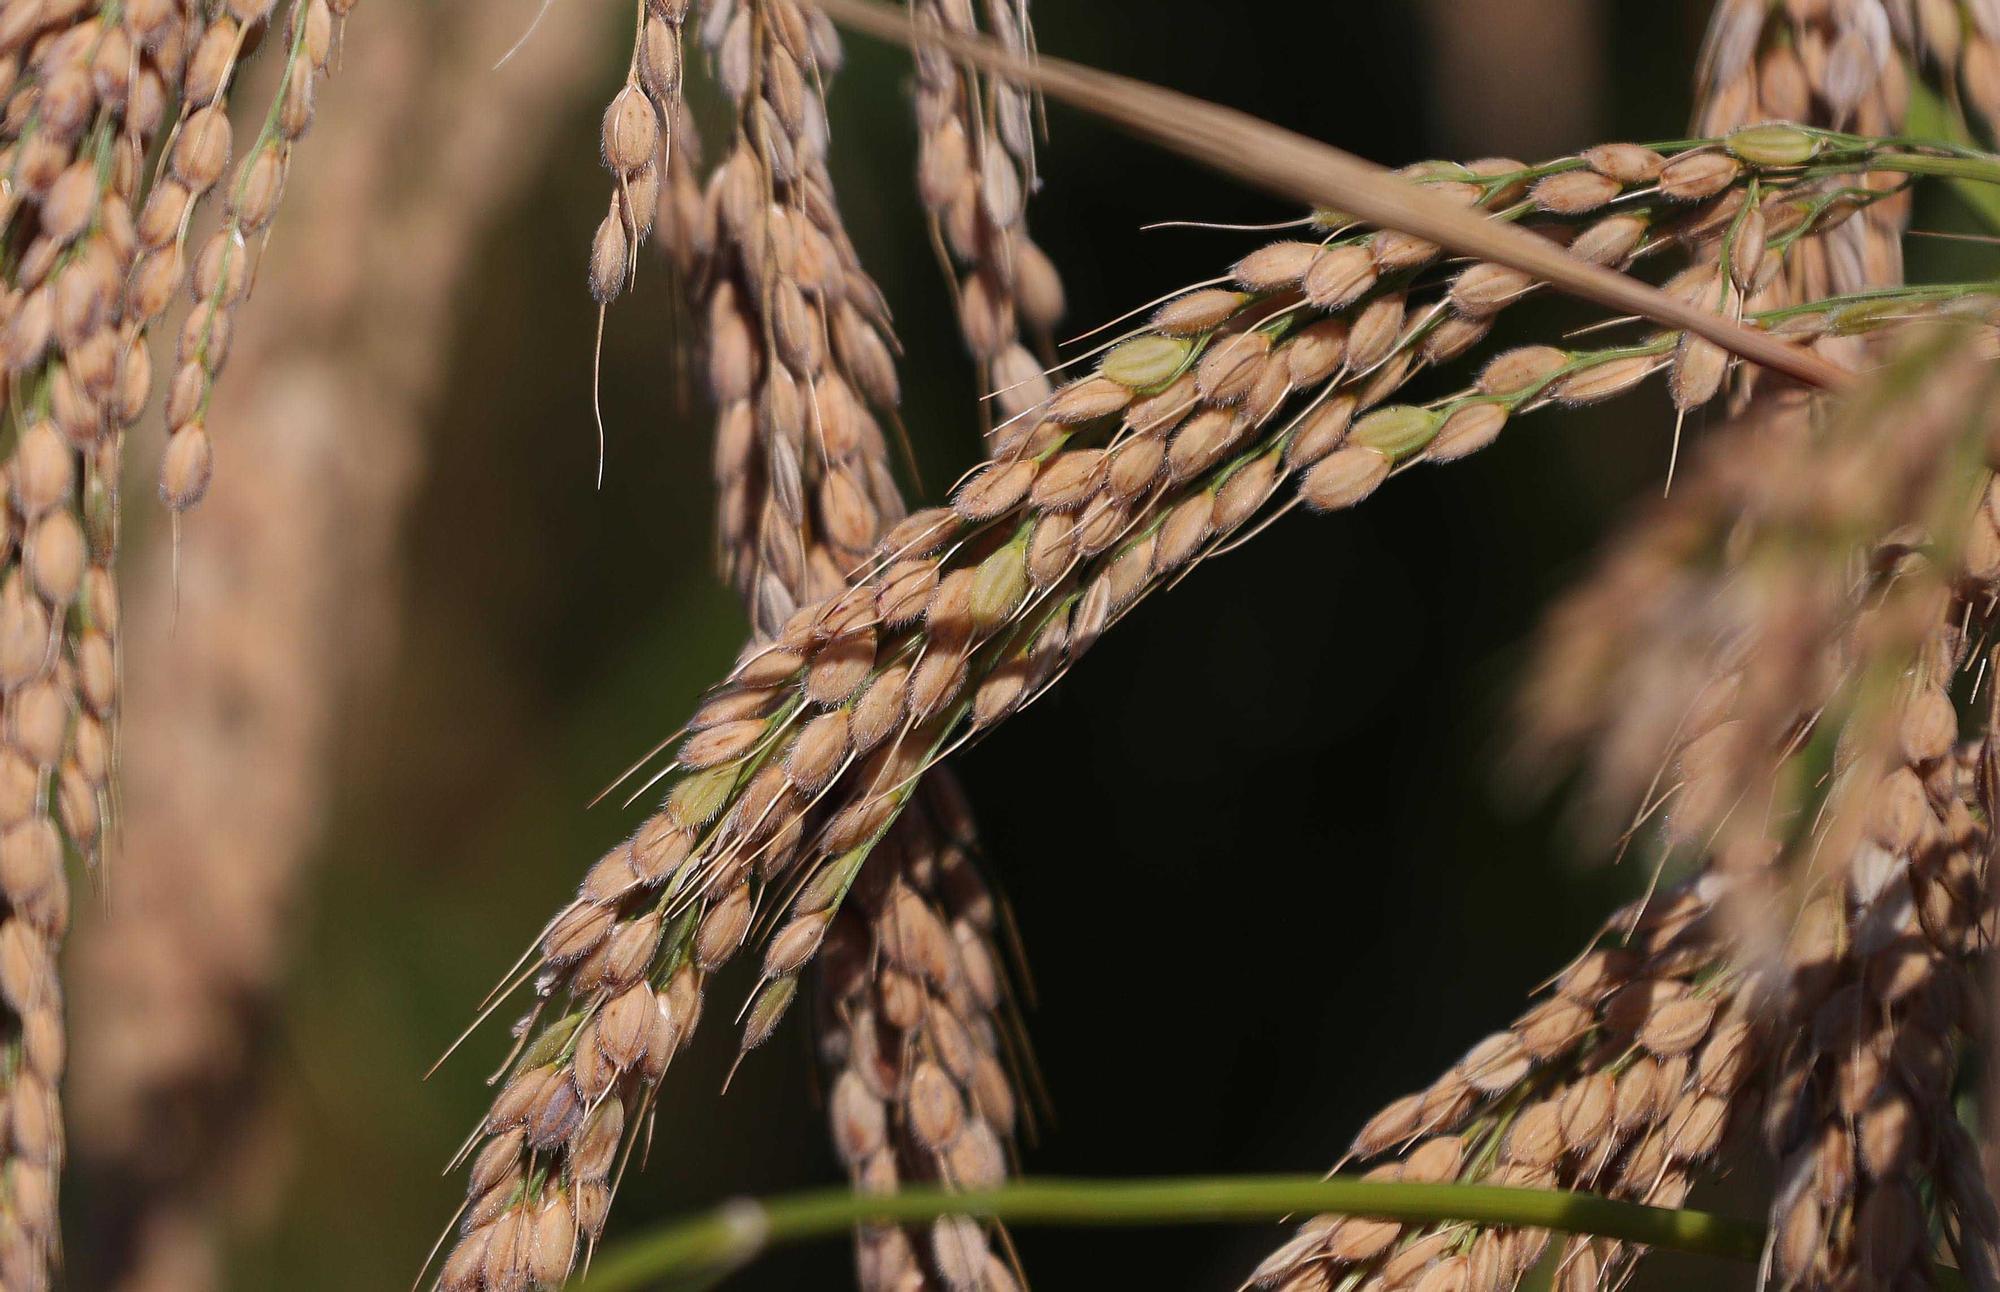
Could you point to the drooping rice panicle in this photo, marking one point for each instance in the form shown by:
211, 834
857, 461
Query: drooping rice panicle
1861, 1115
800, 362
251, 640
636, 141
796, 769
911, 1023
975, 174
95, 90
223, 271
1626, 1078
1864, 1115
796, 563
1807, 605
797, 338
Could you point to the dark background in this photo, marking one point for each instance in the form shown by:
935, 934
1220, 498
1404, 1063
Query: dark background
1257, 843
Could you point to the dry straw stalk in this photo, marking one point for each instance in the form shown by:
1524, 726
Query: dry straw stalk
1294, 166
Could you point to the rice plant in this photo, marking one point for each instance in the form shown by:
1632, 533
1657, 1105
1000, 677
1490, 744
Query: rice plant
1770, 689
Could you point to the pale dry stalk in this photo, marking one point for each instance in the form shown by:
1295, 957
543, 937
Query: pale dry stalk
286, 608
1289, 164
796, 769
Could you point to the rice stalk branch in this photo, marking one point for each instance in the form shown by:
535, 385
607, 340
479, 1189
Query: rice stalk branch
1929, 117
738, 1232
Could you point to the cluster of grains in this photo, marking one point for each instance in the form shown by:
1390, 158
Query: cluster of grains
1865, 999
223, 270
93, 91
975, 172
543, 1177
1671, 656
1830, 63
283, 621
795, 770
1807, 603
1880, 965
1625, 1079
911, 994
637, 145
910, 1017
1862, 1006
903, 1006
797, 333
1861, 1119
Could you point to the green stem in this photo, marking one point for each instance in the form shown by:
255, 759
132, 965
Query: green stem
737, 1232
1930, 116
1970, 173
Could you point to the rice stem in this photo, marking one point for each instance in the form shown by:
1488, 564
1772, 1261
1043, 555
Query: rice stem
703, 1247
1929, 116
